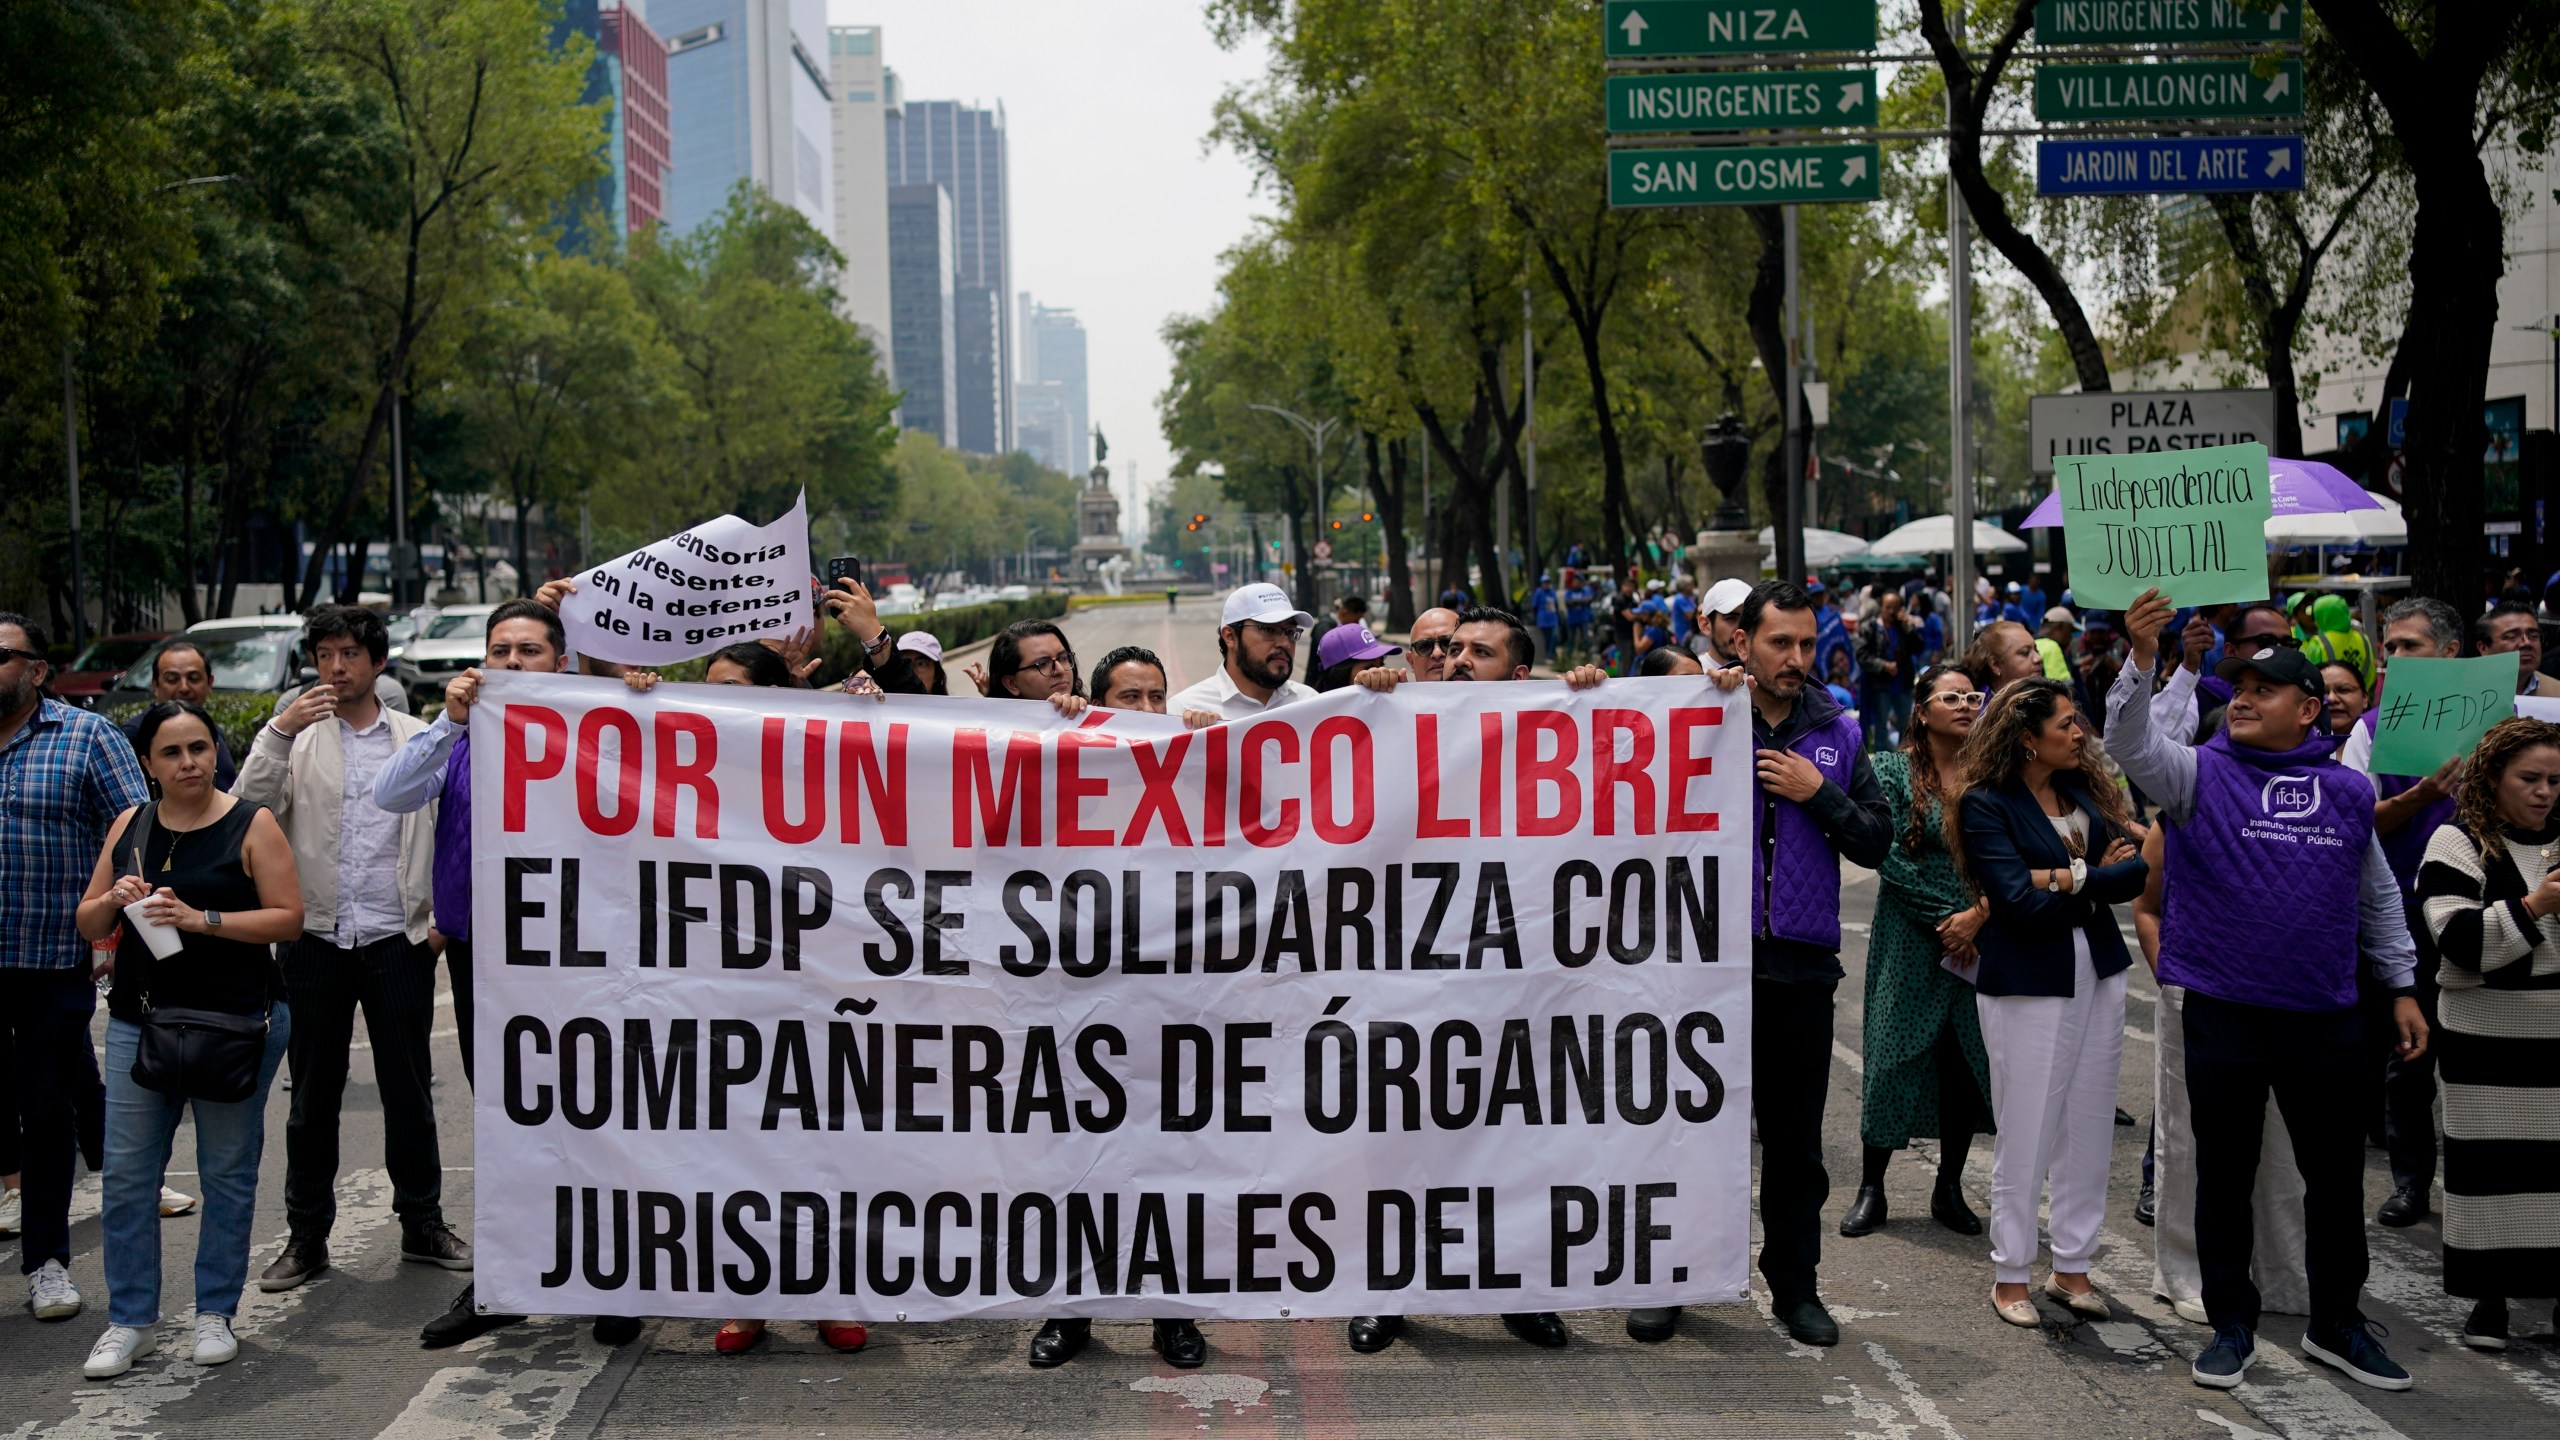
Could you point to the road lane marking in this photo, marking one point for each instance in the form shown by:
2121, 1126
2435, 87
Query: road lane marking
2398, 1277
523, 1383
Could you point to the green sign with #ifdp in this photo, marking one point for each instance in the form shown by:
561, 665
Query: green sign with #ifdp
2183, 90
1743, 100
2190, 523
1646, 29
1744, 175
2432, 710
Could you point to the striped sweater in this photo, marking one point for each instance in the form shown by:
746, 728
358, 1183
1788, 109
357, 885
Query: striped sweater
2474, 909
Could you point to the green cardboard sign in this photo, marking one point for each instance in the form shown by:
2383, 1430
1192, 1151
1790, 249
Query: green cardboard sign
2432, 710
2190, 523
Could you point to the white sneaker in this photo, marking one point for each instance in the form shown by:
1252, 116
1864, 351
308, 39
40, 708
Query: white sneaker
215, 1344
116, 1351
9, 1211
50, 1293
173, 1202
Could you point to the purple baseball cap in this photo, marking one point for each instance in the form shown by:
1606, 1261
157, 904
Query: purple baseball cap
1350, 642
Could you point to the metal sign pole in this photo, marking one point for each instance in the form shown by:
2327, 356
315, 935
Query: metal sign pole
1959, 390
1790, 519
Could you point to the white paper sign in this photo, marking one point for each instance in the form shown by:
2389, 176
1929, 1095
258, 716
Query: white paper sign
802, 1006
2147, 422
716, 584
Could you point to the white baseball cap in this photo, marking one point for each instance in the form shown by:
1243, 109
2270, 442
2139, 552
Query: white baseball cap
919, 643
1724, 597
1264, 605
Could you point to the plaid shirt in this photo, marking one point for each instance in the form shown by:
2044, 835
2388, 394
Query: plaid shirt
64, 777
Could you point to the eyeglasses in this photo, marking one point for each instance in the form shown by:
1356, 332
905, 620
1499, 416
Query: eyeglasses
1063, 661
2281, 642
1275, 632
7, 655
1436, 645
1960, 699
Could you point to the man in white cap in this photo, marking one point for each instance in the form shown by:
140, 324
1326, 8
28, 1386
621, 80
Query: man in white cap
1258, 637
1718, 637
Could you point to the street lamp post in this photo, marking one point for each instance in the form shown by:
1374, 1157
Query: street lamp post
1316, 433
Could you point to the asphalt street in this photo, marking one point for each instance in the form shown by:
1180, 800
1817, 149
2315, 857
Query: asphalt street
1922, 1353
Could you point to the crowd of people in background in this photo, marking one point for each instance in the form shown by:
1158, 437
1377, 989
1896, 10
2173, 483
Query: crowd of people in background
2014, 799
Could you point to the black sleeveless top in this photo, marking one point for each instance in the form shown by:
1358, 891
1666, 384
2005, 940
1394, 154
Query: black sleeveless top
211, 972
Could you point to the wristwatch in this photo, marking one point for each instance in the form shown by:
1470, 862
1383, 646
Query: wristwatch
2053, 882
213, 919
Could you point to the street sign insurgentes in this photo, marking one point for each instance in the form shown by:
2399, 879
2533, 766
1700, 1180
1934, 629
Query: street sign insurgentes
2183, 165
2164, 22
1745, 175
1652, 29
1742, 100
2127, 422
2181, 90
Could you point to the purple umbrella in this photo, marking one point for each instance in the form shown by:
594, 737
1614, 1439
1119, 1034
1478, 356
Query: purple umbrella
2295, 487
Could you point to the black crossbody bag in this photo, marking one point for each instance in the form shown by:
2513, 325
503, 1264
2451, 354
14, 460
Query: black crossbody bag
207, 1055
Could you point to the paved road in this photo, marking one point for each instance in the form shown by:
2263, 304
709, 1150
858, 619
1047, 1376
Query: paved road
1922, 1356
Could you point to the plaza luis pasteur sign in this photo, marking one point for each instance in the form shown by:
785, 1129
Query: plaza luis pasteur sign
2145, 422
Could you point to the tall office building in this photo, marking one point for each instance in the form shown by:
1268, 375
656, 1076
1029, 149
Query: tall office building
1053, 354
922, 322
1043, 426
631, 71
750, 98
962, 149
862, 99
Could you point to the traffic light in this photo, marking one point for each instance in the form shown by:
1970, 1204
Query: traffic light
1366, 517
1337, 524
1198, 522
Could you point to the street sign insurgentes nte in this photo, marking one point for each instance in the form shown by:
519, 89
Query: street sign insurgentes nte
1653, 29
2181, 165
2129, 422
2180, 90
2149, 22
1745, 175
1742, 100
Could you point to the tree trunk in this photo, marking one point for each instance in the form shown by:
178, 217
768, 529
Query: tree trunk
1764, 315
190, 609
1387, 490
357, 475
1587, 307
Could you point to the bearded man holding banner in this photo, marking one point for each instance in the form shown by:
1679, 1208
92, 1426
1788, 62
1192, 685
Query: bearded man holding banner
2264, 809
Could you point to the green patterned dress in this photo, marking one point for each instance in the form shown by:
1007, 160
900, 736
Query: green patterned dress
1913, 1006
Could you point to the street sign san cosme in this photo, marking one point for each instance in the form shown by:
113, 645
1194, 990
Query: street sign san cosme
2183, 90
1742, 100
1654, 29
2171, 165
1745, 175
2175, 22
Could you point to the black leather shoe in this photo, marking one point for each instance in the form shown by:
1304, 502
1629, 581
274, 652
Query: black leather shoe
1060, 1341
616, 1330
1370, 1334
464, 1322
1541, 1328
1654, 1325
2146, 1211
2123, 1117
1947, 1207
1181, 1344
1866, 1213
2403, 1209
1807, 1321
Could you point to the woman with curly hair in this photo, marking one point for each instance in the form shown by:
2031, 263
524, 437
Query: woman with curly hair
1925, 1070
2045, 835
2490, 891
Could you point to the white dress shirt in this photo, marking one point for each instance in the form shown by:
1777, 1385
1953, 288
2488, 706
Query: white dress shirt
1220, 693
369, 907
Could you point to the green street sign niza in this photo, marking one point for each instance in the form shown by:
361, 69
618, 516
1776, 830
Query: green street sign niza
1652, 29
2153, 22
1745, 175
2185, 90
1735, 100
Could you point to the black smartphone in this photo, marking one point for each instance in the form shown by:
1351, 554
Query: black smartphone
844, 567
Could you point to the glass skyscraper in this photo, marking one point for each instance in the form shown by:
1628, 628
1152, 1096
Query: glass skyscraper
962, 149
922, 322
748, 86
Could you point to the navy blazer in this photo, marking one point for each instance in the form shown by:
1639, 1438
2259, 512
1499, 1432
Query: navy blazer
2026, 947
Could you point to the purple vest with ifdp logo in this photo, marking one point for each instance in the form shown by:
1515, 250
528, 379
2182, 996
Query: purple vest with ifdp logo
2277, 839
1795, 892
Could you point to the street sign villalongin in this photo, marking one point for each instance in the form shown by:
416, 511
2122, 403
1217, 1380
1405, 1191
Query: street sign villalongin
2182, 165
1742, 100
2152, 22
2183, 90
1744, 175
1651, 29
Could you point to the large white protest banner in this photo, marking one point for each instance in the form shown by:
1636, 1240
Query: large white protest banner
805, 1006
715, 584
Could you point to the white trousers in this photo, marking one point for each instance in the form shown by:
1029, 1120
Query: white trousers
2276, 1260
2054, 1062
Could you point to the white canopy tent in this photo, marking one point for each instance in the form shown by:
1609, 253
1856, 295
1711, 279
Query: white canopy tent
1821, 547
1936, 535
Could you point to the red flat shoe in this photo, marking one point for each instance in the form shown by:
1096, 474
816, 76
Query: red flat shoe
734, 1340
843, 1336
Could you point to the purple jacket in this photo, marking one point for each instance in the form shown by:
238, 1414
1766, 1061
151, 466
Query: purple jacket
452, 876
1796, 849
2406, 846
2278, 837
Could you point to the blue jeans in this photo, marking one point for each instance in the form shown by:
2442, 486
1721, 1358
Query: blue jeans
141, 1125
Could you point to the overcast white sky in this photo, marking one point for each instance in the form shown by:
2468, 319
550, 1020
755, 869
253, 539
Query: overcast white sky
1118, 213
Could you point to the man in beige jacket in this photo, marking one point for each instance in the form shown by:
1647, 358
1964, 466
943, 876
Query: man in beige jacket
366, 878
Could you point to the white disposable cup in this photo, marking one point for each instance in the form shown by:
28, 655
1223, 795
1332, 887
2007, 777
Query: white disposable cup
164, 940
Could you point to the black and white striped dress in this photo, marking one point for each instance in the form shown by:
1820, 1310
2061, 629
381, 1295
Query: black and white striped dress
2497, 1045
